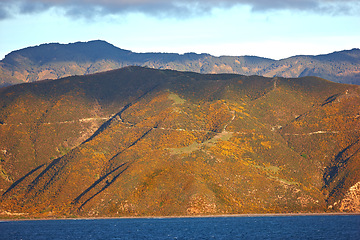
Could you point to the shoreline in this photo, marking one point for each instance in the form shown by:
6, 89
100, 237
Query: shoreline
185, 216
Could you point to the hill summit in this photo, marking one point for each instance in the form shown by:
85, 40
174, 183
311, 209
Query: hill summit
145, 142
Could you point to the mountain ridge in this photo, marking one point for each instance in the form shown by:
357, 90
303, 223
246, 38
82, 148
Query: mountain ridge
54, 60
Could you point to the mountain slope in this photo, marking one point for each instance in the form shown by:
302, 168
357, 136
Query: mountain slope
139, 142
53, 61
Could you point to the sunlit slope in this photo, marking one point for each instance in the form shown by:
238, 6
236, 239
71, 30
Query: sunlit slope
139, 141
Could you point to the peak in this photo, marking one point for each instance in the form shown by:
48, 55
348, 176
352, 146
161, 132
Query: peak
98, 41
92, 42
78, 51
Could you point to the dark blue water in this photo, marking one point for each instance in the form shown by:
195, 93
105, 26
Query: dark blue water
257, 227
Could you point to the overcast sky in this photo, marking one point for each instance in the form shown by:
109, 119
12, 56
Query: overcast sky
267, 28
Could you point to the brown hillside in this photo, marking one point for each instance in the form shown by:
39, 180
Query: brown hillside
139, 142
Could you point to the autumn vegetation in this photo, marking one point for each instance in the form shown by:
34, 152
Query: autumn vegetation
144, 142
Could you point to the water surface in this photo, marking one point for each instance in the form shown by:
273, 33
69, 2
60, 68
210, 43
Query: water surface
253, 227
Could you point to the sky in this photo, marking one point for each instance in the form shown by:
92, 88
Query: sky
267, 28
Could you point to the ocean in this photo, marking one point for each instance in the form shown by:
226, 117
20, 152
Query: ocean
237, 227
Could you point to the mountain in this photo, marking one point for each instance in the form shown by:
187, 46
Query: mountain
144, 142
53, 61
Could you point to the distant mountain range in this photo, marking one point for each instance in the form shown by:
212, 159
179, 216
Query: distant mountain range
146, 142
53, 61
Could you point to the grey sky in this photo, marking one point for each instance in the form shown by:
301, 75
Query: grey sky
173, 8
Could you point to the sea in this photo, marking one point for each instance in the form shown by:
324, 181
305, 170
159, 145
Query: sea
233, 227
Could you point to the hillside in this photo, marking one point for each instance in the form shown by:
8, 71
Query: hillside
139, 141
53, 61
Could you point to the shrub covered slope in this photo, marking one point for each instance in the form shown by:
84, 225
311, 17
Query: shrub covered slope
144, 142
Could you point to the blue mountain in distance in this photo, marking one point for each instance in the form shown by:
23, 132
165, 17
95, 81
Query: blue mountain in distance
54, 60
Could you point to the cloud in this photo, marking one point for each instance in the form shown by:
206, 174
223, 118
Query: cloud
175, 8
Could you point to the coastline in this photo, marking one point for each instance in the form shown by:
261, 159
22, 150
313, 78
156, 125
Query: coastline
186, 216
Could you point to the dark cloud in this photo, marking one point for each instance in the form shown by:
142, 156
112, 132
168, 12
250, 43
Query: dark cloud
175, 8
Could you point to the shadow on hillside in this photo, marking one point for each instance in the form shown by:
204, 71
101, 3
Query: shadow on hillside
16, 183
118, 115
340, 162
106, 184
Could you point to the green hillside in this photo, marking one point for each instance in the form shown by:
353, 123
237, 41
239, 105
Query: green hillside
145, 142
53, 61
